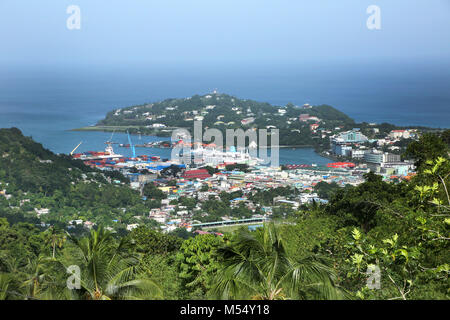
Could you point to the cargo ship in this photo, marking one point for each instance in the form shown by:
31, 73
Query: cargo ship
108, 154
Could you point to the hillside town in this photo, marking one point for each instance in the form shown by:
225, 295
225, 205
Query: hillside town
236, 173
381, 156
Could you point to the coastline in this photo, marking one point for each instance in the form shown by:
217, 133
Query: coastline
158, 134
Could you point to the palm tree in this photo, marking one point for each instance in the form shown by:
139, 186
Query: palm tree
38, 275
11, 263
9, 275
256, 265
5, 280
108, 272
55, 239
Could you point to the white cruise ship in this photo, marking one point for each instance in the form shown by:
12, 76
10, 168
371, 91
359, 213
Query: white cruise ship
209, 155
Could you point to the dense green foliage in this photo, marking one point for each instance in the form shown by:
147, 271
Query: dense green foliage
223, 106
36, 178
429, 146
266, 197
326, 190
27, 166
257, 265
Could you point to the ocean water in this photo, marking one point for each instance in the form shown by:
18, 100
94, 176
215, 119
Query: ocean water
46, 102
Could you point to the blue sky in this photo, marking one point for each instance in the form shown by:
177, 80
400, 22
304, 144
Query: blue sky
164, 32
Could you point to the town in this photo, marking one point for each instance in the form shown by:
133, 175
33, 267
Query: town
216, 175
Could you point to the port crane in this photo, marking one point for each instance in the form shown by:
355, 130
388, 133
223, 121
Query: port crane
131, 145
110, 139
76, 148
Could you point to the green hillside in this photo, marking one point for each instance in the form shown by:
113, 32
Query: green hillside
27, 166
32, 177
223, 112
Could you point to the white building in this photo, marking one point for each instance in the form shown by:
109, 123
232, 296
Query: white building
399, 134
132, 226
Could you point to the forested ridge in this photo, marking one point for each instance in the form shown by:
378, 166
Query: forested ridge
32, 177
28, 165
224, 112
176, 110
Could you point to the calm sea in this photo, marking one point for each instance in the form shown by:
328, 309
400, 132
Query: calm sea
45, 102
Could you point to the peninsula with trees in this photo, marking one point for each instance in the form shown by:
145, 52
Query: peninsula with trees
299, 126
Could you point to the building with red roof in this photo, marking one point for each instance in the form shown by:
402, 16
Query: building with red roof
196, 174
341, 165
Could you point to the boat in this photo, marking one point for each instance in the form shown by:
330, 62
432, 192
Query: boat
209, 155
98, 155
